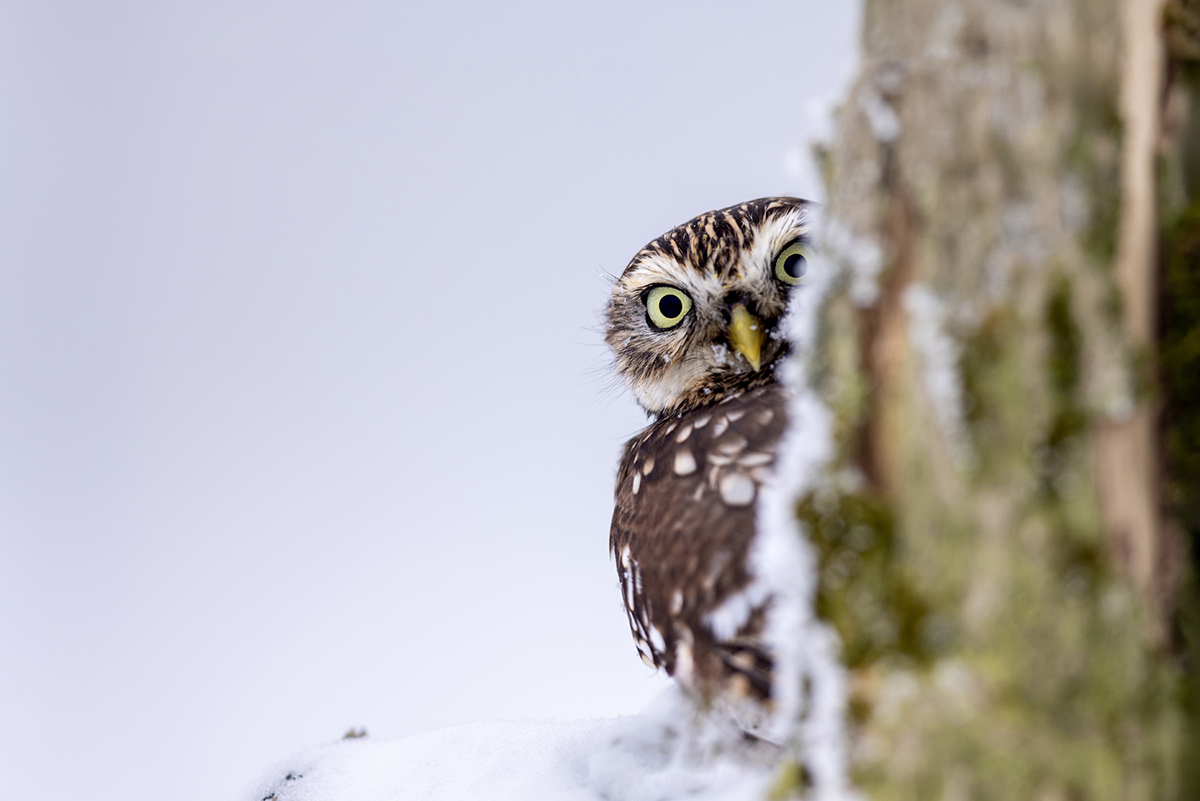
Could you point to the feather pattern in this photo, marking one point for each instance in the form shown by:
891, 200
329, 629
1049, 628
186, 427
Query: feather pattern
687, 486
681, 537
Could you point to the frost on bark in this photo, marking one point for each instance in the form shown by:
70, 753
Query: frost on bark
1004, 535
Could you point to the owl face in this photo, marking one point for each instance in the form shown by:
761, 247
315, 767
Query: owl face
695, 316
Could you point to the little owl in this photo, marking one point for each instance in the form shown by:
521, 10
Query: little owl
694, 324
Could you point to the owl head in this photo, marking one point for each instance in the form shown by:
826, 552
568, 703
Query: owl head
695, 316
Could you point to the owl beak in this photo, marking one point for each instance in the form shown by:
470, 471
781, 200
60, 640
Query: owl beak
746, 334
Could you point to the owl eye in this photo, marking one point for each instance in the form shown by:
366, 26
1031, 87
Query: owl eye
791, 265
667, 306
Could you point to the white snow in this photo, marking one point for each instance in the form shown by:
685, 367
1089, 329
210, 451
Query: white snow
939, 355
734, 611
649, 757
807, 651
884, 122
862, 256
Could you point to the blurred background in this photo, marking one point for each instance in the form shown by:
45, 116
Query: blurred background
305, 416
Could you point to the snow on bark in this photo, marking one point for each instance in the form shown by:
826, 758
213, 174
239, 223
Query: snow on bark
810, 681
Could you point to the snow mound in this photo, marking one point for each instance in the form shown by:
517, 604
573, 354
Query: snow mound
637, 758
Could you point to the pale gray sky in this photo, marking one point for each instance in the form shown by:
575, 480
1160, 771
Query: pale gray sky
304, 413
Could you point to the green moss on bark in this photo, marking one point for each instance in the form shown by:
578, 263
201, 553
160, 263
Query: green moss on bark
997, 648
1093, 158
874, 606
1068, 420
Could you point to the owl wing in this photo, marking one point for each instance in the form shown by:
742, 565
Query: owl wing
681, 533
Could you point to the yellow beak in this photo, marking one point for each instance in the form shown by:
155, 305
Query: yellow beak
746, 333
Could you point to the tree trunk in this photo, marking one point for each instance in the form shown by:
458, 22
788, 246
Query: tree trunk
1008, 575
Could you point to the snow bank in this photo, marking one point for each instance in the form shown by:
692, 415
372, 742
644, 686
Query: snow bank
636, 758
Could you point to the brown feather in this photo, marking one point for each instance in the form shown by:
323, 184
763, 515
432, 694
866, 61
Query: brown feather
681, 537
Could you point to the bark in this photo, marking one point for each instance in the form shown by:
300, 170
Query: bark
998, 553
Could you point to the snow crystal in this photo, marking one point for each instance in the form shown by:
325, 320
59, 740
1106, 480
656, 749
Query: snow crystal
884, 122
727, 618
939, 355
861, 255
807, 651
881, 116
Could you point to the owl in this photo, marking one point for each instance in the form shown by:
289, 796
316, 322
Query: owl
694, 326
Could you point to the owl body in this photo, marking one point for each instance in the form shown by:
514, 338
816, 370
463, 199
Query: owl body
694, 323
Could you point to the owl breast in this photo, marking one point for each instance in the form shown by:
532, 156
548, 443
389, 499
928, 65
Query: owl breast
681, 532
